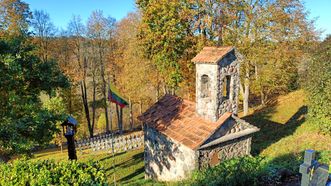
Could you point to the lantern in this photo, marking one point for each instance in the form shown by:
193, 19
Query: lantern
69, 127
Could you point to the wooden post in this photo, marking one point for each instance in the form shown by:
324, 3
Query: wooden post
71, 147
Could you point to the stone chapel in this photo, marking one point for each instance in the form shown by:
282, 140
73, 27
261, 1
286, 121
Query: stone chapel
181, 136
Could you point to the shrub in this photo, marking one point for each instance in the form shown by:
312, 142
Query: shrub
318, 85
24, 172
239, 171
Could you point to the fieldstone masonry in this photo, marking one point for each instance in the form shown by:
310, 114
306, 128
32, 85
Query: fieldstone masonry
212, 156
226, 71
213, 152
229, 104
166, 159
181, 135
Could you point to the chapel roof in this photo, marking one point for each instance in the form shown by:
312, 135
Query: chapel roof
212, 54
176, 118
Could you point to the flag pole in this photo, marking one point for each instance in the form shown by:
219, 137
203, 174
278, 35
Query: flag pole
112, 133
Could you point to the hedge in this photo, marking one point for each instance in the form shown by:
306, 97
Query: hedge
24, 172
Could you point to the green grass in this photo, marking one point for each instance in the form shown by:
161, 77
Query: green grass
285, 134
128, 166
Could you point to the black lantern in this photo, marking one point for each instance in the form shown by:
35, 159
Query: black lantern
69, 127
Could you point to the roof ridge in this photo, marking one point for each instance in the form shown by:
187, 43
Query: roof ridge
212, 55
176, 118
220, 122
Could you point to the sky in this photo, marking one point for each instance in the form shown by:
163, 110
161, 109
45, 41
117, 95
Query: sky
61, 11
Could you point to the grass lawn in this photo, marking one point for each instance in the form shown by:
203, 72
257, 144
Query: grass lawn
128, 166
285, 134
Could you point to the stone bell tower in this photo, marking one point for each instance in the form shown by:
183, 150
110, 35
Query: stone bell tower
217, 82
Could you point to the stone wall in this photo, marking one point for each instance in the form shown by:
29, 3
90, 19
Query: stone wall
115, 143
207, 107
166, 160
213, 155
229, 66
215, 105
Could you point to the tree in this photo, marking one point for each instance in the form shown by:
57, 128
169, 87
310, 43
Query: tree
79, 67
318, 86
100, 31
137, 77
271, 36
56, 106
14, 17
24, 123
44, 30
164, 34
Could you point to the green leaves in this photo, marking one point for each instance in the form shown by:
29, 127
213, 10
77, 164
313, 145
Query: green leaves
164, 34
318, 86
246, 170
24, 172
23, 122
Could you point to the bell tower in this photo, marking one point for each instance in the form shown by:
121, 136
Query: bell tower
217, 82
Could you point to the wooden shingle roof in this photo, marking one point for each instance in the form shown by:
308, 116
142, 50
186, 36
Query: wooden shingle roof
176, 118
212, 54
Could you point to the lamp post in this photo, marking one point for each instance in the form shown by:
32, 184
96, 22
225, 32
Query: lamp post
69, 127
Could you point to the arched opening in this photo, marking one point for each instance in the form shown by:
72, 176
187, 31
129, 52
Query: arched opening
226, 87
205, 86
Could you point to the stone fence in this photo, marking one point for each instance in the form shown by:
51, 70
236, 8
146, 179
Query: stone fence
121, 143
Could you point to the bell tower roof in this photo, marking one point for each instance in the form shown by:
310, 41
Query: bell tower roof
217, 81
212, 55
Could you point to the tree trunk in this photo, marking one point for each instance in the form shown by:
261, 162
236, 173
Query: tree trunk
246, 96
110, 117
118, 118
93, 101
131, 114
173, 91
86, 108
165, 90
61, 142
140, 107
246, 91
141, 112
157, 93
262, 97
70, 101
104, 87
106, 116
121, 120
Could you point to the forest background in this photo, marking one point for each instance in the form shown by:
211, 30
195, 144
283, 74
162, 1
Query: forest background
54, 73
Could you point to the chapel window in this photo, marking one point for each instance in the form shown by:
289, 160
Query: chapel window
205, 86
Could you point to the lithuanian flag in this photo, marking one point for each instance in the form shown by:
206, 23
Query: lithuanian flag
114, 97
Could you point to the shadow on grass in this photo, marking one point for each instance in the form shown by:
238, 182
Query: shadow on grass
49, 152
111, 156
137, 158
270, 131
131, 176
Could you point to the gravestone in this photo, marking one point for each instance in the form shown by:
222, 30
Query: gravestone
313, 173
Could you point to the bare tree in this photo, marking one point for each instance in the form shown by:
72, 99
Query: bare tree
44, 30
100, 31
77, 33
